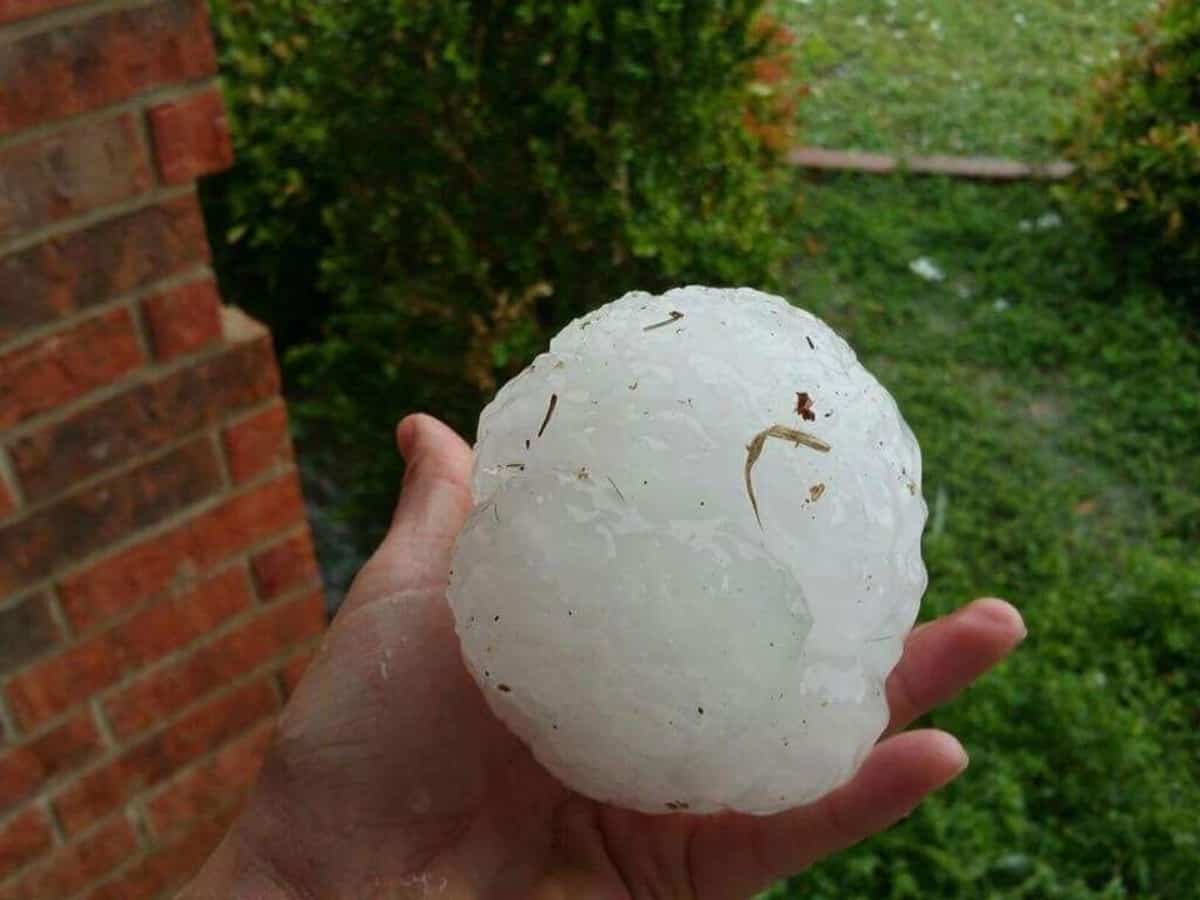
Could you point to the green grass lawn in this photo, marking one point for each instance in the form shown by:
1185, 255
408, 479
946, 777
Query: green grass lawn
1058, 413
950, 76
1057, 403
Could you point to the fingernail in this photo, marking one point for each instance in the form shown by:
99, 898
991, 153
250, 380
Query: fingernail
953, 753
1002, 613
964, 759
406, 436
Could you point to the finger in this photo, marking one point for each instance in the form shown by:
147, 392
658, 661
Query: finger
741, 854
942, 657
434, 503
436, 461
897, 775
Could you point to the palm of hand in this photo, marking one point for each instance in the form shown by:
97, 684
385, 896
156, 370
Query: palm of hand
390, 777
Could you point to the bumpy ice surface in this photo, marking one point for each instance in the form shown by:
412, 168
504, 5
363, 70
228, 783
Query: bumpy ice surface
658, 643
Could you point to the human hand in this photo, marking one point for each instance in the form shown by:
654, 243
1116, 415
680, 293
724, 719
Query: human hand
390, 778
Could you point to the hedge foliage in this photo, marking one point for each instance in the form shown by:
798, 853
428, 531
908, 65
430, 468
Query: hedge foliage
1137, 145
425, 191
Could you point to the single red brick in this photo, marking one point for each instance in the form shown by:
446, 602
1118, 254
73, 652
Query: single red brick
184, 319
145, 701
91, 519
24, 838
191, 137
27, 630
158, 872
64, 275
50, 687
211, 786
293, 670
143, 418
63, 71
69, 172
284, 565
130, 576
25, 768
12, 10
258, 442
150, 762
68, 870
61, 367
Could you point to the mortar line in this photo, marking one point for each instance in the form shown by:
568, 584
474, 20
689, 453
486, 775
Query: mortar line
84, 834
169, 523
56, 825
151, 197
140, 376
222, 629
113, 749
178, 518
166, 723
146, 139
143, 854
116, 471
54, 603
192, 765
65, 16
246, 413
141, 331
14, 486
193, 272
103, 725
136, 813
23, 737
9, 721
21, 594
218, 446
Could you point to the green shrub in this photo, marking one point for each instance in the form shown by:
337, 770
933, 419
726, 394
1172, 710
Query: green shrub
426, 191
1137, 145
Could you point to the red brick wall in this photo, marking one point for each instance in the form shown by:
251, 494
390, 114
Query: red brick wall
158, 589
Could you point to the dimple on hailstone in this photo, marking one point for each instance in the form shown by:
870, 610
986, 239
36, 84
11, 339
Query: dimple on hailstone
695, 554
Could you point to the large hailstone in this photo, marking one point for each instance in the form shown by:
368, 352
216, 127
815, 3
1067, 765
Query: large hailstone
695, 554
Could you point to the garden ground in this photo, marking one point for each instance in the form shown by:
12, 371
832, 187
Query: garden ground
1056, 403
950, 76
1057, 410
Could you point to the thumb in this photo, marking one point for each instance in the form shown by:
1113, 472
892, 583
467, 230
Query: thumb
437, 476
434, 503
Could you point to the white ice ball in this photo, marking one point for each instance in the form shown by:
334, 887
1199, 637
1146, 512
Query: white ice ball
695, 554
